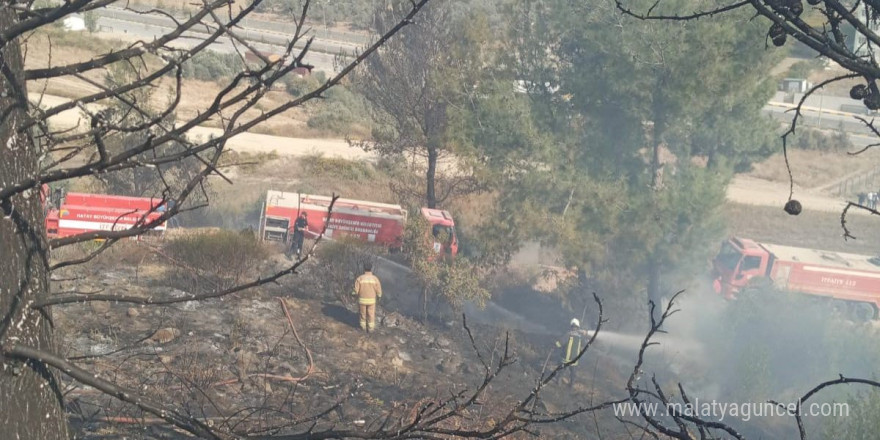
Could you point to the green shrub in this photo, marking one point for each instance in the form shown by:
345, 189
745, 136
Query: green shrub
233, 211
211, 66
341, 262
340, 111
62, 39
246, 161
91, 21
316, 166
297, 85
803, 68
861, 422
456, 281
767, 335
215, 260
818, 140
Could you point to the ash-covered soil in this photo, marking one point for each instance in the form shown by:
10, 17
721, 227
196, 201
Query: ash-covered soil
235, 362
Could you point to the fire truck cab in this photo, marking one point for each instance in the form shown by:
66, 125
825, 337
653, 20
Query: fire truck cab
739, 261
442, 231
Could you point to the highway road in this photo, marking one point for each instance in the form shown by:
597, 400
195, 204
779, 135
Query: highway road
826, 119
130, 25
322, 33
822, 111
818, 112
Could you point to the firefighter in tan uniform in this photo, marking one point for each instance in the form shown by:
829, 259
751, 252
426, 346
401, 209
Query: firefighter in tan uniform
368, 289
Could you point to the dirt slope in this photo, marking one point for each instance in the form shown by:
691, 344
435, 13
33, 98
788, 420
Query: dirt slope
209, 356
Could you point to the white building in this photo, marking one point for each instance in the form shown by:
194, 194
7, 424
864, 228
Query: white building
74, 23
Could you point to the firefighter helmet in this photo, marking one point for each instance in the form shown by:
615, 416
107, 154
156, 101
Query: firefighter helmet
575, 322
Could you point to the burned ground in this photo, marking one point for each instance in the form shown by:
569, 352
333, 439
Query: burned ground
234, 361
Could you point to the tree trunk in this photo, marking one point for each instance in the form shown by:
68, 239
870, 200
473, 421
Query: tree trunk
31, 405
657, 168
430, 192
424, 305
654, 293
657, 141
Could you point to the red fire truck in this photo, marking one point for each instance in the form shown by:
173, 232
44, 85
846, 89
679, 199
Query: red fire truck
852, 281
78, 213
372, 222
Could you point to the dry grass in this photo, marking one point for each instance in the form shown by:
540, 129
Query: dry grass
87, 184
63, 47
238, 205
197, 95
837, 88
296, 127
55, 47
814, 169
319, 175
244, 161
814, 229
474, 210
52, 47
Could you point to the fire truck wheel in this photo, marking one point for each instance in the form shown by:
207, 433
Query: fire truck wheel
841, 308
862, 311
761, 284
